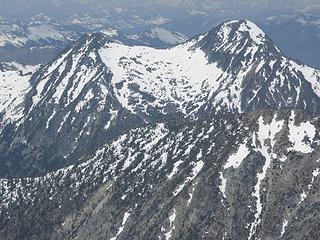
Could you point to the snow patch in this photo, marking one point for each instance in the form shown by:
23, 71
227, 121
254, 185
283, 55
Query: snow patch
125, 219
265, 132
195, 171
284, 225
236, 159
223, 185
175, 169
172, 218
298, 135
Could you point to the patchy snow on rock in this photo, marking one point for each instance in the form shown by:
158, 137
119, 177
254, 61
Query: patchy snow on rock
172, 218
310, 74
236, 159
50, 119
113, 117
65, 118
265, 132
165, 75
303, 196
195, 171
299, 134
315, 174
89, 95
191, 194
284, 226
255, 32
197, 168
125, 219
269, 131
175, 169
57, 64
223, 185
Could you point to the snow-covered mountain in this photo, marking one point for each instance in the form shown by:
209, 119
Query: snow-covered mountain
35, 41
101, 88
159, 37
214, 138
34, 35
255, 176
39, 39
237, 69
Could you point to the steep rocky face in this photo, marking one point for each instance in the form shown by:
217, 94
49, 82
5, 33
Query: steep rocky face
256, 74
251, 177
69, 109
102, 87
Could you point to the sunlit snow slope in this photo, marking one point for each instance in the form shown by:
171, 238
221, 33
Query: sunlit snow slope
14, 84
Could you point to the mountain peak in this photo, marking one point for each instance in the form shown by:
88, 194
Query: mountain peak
241, 27
234, 36
237, 39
